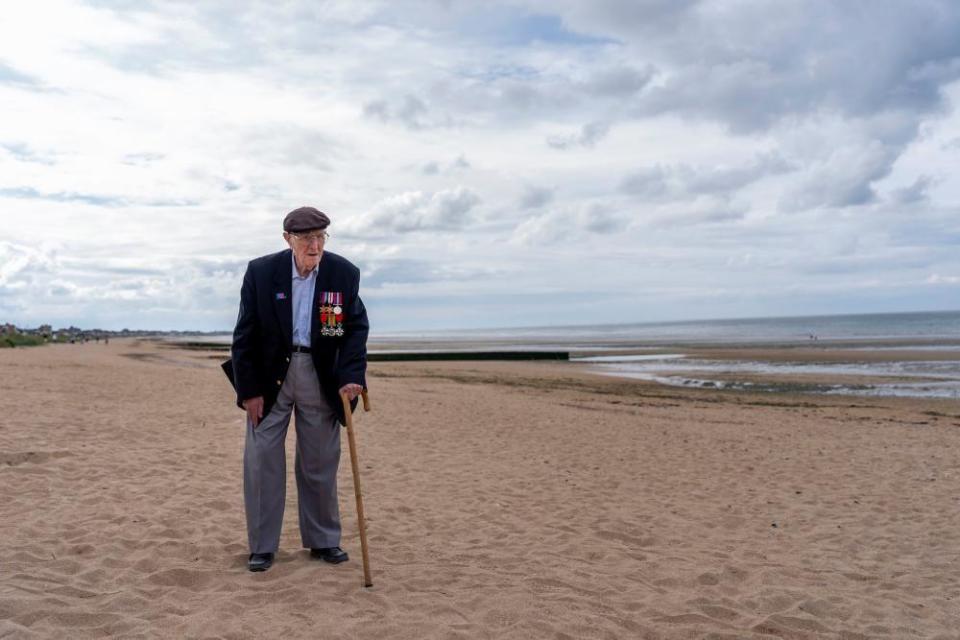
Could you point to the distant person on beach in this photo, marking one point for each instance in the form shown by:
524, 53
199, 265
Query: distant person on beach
300, 341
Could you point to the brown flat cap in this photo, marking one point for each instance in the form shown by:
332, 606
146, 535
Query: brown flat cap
305, 219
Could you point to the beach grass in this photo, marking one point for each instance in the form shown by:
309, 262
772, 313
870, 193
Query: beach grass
20, 340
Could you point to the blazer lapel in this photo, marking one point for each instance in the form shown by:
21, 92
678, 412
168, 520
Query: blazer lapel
282, 294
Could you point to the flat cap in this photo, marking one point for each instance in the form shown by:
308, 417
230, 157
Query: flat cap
305, 219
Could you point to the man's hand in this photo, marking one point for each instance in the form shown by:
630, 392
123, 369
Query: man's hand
352, 390
254, 407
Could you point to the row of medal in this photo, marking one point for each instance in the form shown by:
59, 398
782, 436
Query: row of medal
331, 313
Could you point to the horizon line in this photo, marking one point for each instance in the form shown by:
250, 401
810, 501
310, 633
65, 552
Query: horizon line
557, 326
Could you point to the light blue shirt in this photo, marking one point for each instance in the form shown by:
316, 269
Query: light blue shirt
302, 295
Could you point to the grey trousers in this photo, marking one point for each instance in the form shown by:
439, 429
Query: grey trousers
317, 459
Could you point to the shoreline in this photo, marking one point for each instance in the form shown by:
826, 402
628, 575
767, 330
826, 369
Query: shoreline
916, 368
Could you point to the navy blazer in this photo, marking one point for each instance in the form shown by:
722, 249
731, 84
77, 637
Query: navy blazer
263, 337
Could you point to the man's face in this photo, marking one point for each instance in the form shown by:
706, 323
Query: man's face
307, 247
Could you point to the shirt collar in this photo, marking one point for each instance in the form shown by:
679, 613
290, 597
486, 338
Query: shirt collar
296, 274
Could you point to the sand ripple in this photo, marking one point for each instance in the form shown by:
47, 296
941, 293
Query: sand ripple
505, 501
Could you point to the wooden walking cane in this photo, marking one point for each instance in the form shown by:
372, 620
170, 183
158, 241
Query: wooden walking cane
367, 582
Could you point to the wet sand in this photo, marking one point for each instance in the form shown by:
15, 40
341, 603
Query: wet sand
505, 500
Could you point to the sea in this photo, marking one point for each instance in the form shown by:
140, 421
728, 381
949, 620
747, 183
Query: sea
745, 331
929, 342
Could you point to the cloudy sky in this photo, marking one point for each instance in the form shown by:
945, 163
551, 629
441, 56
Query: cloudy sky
484, 164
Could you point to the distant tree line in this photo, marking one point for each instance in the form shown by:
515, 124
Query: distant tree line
13, 336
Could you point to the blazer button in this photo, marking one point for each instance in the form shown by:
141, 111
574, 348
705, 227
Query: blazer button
279, 383
288, 359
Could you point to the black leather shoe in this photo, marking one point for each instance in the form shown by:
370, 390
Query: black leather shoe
334, 555
260, 561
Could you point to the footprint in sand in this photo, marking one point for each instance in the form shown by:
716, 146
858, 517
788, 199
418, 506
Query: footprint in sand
185, 578
15, 458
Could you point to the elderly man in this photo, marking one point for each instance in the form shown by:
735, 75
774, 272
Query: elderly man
300, 341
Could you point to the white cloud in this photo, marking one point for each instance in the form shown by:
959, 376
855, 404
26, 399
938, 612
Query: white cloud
21, 266
936, 278
589, 135
446, 210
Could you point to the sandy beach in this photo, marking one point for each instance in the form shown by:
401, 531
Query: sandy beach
505, 500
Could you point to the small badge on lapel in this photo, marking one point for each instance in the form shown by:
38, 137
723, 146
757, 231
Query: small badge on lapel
281, 295
331, 313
